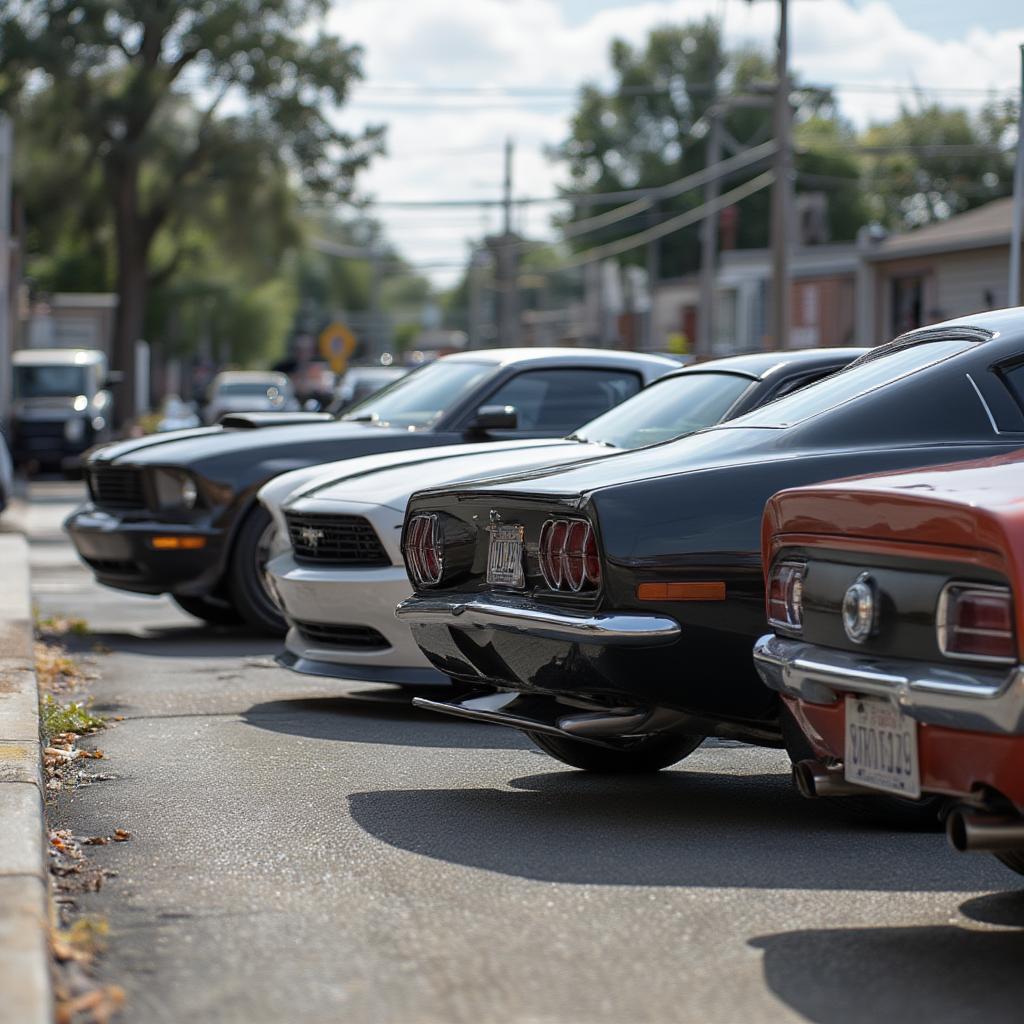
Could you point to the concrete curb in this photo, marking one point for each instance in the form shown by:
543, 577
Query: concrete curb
24, 955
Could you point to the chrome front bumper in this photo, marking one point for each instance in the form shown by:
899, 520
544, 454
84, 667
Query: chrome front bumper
517, 615
981, 700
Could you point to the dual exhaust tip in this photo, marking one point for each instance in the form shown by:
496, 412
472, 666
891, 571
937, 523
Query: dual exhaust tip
967, 829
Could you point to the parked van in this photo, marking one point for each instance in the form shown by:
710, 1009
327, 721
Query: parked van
61, 405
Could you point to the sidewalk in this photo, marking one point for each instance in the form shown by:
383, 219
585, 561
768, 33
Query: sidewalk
24, 957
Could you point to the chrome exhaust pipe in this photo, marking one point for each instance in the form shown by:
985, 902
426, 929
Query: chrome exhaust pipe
814, 779
973, 832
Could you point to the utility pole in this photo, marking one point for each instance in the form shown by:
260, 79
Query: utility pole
709, 239
1018, 199
782, 189
507, 265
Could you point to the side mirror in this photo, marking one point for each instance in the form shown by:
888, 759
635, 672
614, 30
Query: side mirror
495, 417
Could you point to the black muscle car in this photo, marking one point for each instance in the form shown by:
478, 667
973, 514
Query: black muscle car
609, 608
177, 513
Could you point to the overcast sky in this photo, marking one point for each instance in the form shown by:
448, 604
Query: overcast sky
451, 80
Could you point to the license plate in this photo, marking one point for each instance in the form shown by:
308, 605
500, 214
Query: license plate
505, 556
881, 747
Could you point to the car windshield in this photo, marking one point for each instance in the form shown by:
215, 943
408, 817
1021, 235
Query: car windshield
249, 388
667, 409
49, 381
864, 375
420, 399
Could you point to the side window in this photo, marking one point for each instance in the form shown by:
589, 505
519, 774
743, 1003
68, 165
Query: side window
796, 383
1013, 376
558, 401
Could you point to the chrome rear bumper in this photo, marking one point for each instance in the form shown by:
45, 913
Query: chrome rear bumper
517, 615
980, 700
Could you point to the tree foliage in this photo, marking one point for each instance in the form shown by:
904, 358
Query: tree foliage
263, 81
652, 129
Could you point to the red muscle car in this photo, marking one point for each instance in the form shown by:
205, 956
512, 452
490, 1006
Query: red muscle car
896, 603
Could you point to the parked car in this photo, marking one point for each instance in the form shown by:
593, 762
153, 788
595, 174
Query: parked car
341, 574
609, 609
62, 405
249, 391
6, 474
360, 382
176, 414
177, 513
897, 605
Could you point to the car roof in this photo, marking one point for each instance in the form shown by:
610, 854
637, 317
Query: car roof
61, 356
760, 365
230, 376
565, 356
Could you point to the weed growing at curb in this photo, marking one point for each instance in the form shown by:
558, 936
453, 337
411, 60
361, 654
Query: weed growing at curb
74, 717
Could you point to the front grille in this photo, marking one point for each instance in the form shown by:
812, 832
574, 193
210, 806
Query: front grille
362, 637
41, 428
337, 540
117, 488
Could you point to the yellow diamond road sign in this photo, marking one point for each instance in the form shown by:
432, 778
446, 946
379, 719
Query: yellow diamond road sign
337, 343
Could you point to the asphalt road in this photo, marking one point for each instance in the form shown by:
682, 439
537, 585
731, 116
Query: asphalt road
311, 851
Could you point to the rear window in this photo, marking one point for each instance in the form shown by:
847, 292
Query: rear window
864, 375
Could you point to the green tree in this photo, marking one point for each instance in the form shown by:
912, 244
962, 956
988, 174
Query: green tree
256, 72
650, 129
933, 162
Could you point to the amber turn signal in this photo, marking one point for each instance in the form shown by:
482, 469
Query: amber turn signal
178, 543
709, 591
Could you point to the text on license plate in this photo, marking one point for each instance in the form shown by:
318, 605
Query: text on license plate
881, 747
505, 555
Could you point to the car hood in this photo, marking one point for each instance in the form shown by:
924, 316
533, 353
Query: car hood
187, 447
392, 486
313, 479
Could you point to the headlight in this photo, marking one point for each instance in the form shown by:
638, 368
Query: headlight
175, 489
74, 429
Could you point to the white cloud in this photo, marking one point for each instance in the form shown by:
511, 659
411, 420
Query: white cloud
448, 144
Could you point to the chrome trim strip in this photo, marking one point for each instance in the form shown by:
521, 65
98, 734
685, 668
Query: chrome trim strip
982, 701
984, 404
529, 618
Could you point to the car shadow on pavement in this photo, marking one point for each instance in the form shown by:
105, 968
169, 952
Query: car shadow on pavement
183, 641
380, 715
939, 973
690, 828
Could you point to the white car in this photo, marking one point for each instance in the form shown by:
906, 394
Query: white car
337, 571
249, 391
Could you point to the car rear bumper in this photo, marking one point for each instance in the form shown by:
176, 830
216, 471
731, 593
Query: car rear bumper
619, 658
121, 554
353, 604
977, 700
971, 733
517, 616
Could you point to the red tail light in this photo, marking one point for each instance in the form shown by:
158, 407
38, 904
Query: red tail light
569, 558
785, 595
976, 621
424, 551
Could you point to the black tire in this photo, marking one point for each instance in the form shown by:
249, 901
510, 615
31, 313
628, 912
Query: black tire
649, 754
246, 581
209, 611
1013, 859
